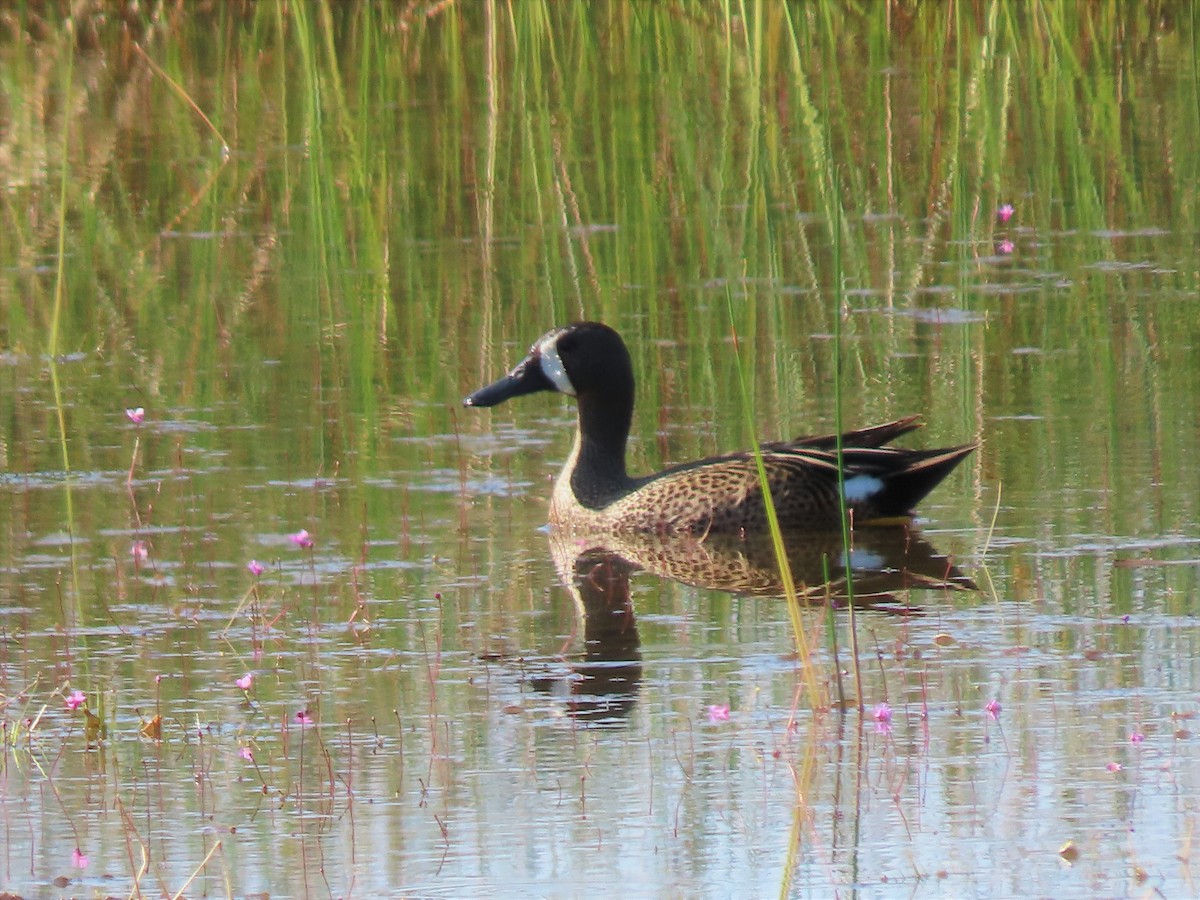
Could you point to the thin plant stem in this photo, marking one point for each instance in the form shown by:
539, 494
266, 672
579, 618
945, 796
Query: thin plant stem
60, 290
844, 513
777, 542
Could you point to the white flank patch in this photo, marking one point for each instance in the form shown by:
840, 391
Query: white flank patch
552, 368
863, 560
860, 487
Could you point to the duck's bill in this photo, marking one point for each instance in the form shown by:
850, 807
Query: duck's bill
526, 378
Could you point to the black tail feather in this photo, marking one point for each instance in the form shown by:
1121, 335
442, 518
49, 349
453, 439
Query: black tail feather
911, 483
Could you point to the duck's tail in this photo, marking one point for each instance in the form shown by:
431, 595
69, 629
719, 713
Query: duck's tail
909, 483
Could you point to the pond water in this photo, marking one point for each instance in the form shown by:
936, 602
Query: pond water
278, 617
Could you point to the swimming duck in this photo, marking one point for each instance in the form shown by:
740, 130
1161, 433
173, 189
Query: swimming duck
721, 494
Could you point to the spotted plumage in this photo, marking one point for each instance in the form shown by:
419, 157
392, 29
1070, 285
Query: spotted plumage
722, 494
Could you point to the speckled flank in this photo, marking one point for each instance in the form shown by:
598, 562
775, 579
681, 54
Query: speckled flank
723, 495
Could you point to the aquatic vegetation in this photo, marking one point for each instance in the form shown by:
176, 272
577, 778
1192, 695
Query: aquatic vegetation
882, 714
718, 712
302, 539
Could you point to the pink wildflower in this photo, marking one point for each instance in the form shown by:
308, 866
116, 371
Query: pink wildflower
993, 709
1004, 213
1114, 767
136, 415
883, 718
256, 568
718, 713
139, 551
79, 859
245, 753
304, 718
301, 539
76, 699
1005, 248
245, 681
1137, 737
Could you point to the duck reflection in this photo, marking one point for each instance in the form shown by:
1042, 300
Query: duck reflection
886, 563
603, 684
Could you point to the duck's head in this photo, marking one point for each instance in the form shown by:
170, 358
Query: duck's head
583, 360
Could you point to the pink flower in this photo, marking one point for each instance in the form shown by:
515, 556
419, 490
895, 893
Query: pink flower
1004, 213
245, 753
79, 859
718, 713
1137, 737
1114, 767
256, 568
76, 699
883, 718
993, 709
139, 551
1005, 248
304, 718
136, 414
245, 681
301, 539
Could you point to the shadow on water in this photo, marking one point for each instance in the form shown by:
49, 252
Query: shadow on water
886, 563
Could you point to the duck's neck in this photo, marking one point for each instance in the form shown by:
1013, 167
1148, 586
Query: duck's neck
597, 464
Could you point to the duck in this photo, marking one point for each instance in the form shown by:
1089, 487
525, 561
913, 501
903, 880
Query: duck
589, 361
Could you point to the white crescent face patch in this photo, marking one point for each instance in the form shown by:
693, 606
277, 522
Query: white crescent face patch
552, 366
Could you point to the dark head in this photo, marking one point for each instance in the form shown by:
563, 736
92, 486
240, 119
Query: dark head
586, 360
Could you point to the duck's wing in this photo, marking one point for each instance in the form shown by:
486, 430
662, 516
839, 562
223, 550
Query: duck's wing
879, 481
724, 494
872, 436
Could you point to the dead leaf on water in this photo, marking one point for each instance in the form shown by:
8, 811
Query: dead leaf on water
1137, 562
944, 640
153, 729
93, 727
1069, 851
